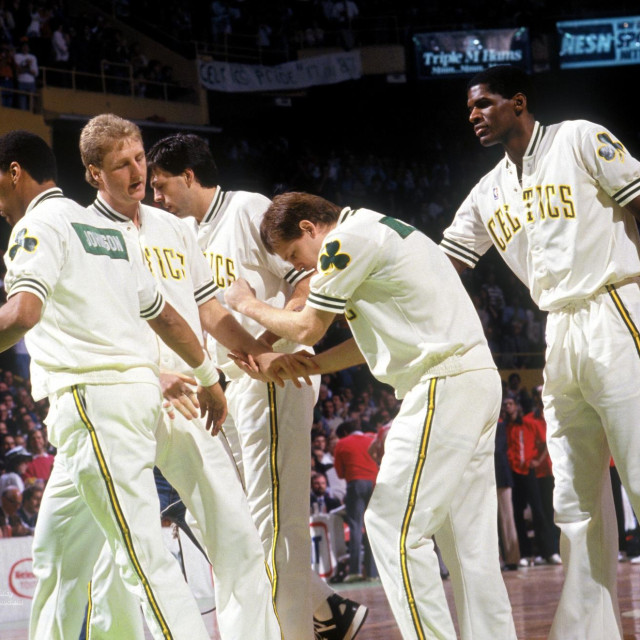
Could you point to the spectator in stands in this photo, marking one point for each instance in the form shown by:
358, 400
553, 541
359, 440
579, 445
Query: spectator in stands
7, 74
516, 390
7, 24
8, 442
495, 295
509, 547
521, 450
321, 460
343, 18
9, 380
330, 420
16, 461
357, 467
220, 20
8, 411
337, 485
60, 50
27, 70
515, 346
41, 463
381, 423
542, 462
11, 501
5, 418
321, 499
28, 512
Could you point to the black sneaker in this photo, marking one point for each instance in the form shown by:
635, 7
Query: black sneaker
346, 620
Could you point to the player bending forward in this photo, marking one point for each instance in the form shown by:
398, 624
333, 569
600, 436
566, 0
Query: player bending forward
416, 328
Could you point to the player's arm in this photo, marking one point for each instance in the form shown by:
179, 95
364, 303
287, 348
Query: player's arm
219, 323
342, 356
302, 364
19, 314
306, 326
295, 303
634, 207
458, 265
251, 355
175, 332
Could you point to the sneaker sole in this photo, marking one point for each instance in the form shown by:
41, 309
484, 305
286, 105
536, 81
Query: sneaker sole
357, 622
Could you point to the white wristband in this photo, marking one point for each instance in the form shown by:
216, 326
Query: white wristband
206, 374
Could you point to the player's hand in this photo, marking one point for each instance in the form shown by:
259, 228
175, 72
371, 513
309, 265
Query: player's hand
213, 406
278, 367
239, 291
179, 392
248, 364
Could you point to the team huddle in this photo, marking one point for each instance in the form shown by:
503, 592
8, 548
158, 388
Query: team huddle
121, 304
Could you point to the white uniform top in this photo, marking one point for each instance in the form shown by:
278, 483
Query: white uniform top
95, 290
406, 305
172, 254
564, 231
229, 236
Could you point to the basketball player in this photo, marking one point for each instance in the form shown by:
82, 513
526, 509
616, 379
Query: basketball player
80, 292
416, 328
197, 466
560, 207
272, 425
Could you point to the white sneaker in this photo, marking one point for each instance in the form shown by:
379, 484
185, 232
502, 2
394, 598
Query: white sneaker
554, 559
523, 562
635, 560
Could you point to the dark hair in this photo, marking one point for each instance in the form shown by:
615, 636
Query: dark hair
29, 490
181, 151
506, 80
31, 152
281, 221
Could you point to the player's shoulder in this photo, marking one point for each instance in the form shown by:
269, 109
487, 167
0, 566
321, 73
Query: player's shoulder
160, 216
574, 129
369, 229
354, 220
53, 210
246, 203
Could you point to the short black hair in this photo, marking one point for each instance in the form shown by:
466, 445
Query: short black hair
176, 153
506, 80
31, 152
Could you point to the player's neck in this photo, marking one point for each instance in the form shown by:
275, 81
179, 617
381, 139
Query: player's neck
130, 209
205, 198
518, 142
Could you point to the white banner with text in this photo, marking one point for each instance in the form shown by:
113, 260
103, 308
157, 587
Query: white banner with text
308, 72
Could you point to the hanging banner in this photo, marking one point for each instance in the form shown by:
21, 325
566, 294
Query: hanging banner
599, 43
308, 72
452, 53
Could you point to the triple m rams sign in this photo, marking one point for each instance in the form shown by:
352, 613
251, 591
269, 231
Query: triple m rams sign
451, 53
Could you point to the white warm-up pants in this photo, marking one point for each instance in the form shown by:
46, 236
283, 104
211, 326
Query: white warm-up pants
102, 487
272, 427
592, 408
437, 478
201, 469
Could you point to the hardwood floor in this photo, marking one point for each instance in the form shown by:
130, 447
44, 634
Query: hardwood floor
533, 591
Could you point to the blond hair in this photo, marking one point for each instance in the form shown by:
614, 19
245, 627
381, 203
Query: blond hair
100, 136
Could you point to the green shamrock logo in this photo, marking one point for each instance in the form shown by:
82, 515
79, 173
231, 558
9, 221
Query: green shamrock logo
331, 257
24, 241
